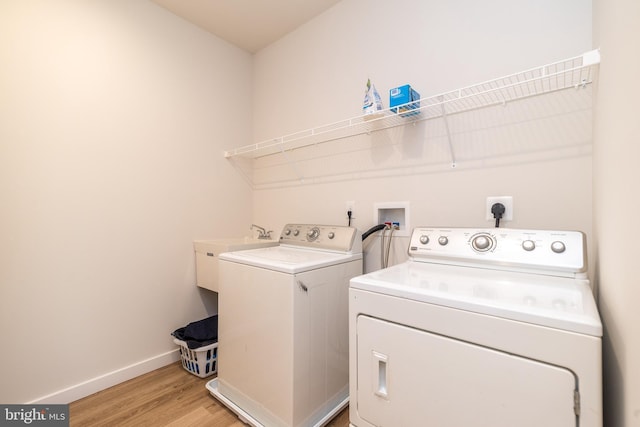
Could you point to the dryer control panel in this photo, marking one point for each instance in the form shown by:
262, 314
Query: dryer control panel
325, 237
540, 251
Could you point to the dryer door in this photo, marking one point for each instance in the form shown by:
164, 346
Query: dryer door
408, 377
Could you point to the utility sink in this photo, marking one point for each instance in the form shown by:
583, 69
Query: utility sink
235, 243
207, 252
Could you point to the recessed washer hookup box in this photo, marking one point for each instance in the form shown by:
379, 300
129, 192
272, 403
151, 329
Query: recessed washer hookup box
403, 98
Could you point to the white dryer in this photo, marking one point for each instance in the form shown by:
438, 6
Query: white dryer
283, 327
483, 328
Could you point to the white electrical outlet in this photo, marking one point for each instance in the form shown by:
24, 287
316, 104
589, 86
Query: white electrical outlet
507, 201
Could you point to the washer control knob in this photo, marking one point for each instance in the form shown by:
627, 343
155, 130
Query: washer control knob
313, 234
443, 240
528, 245
287, 232
424, 239
332, 235
558, 247
296, 232
482, 242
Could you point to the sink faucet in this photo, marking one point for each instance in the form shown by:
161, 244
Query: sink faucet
262, 233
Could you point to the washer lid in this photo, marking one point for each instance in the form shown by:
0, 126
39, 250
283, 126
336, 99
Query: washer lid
288, 259
556, 302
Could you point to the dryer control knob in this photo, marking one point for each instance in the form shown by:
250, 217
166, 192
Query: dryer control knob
296, 232
424, 239
443, 240
558, 247
287, 232
528, 245
331, 234
482, 242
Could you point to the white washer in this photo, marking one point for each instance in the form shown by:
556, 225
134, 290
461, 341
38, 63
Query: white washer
495, 328
283, 329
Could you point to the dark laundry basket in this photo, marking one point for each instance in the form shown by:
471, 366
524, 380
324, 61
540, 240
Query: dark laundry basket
198, 346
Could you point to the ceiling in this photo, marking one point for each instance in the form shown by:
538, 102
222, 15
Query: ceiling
248, 24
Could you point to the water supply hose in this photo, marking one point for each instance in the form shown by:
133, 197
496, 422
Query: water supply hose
385, 263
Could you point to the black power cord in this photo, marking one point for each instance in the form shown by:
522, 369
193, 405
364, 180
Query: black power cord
498, 210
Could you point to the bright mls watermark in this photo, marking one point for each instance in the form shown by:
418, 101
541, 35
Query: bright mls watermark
34, 415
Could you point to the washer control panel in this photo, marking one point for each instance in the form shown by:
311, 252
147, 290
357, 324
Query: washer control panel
556, 252
327, 237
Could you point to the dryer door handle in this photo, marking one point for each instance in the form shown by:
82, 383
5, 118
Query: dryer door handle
381, 379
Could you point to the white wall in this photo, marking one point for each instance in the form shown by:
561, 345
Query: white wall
112, 122
317, 75
616, 205
113, 118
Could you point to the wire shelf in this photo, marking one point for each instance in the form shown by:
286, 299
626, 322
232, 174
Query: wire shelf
577, 72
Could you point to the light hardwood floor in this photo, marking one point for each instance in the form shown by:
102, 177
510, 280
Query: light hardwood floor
169, 396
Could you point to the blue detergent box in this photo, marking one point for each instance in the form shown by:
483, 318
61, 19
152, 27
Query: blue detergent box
404, 95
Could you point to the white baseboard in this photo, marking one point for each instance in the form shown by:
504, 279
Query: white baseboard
107, 380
